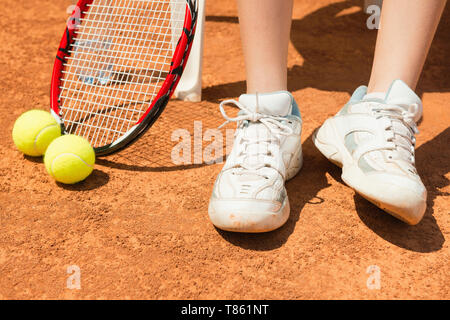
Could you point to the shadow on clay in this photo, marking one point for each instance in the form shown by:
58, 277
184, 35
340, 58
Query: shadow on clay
96, 180
33, 159
425, 236
132, 167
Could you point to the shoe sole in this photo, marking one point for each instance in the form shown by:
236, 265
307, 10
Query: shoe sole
334, 150
250, 221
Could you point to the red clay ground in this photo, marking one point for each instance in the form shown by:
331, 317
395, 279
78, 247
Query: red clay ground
138, 227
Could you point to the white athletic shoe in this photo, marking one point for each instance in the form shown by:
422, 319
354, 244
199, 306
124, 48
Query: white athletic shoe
249, 193
373, 141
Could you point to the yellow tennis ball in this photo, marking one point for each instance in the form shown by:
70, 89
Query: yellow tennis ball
34, 130
69, 159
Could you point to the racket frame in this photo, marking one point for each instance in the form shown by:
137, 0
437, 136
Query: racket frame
157, 106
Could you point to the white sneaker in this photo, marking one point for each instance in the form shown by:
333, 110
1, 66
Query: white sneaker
373, 141
249, 193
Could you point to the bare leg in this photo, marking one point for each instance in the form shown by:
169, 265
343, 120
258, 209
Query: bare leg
265, 30
406, 32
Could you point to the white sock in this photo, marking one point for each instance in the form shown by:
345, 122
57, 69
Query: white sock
375, 95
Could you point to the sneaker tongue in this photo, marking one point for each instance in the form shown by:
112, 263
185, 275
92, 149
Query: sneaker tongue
274, 103
255, 151
375, 96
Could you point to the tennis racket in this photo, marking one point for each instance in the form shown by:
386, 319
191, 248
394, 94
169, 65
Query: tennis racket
117, 66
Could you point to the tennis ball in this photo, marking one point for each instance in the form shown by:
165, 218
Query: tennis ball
34, 130
69, 159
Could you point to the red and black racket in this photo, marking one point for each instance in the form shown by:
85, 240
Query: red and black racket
117, 66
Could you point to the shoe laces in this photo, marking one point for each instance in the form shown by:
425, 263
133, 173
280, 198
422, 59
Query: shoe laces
397, 140
275, 130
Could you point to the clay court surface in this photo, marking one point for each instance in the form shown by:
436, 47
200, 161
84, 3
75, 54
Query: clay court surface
138, 227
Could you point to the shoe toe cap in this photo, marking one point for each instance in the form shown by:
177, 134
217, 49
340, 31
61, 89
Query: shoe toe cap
241, 215
402, 197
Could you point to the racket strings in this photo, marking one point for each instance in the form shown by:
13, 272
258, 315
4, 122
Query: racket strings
117, 64
103, 97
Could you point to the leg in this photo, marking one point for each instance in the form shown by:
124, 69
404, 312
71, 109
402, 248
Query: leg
406, 31
249, 194
265, 29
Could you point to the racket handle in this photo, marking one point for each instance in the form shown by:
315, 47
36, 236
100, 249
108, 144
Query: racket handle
190, 86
